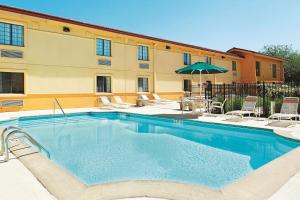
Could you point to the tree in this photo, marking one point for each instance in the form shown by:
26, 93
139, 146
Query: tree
292, 57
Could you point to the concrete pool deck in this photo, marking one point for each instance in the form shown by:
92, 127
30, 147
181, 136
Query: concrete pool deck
17, 182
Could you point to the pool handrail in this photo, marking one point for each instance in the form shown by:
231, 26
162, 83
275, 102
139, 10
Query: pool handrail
60, 107
16, 130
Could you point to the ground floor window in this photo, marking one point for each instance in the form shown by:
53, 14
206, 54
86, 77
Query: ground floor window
103, 84
187, 85
11, 83
257, 67
143, 85
274, 73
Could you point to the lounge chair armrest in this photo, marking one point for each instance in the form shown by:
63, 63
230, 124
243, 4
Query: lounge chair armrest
216, 104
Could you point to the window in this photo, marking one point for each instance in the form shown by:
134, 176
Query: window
186, 58
274, 71
104, 84
103, 47
233, 65
143, 53
208, 60
143, 85
257, 67
11, 34
11, 83
187, 85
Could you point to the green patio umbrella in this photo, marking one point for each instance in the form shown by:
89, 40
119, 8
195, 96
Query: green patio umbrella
201, 68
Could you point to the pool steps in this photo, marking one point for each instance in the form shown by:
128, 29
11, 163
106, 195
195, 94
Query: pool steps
7, 135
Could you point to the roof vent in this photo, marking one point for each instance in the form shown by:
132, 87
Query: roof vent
66, 29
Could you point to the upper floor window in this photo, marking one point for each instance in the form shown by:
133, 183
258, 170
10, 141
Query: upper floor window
103, 47
257, 68
186, 58
208, 60
143, 53
104, 84
233, 65
274, 73
143, 84
11, 83
11, 34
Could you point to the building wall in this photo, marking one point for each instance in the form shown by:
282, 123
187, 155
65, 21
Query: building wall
266, 74
65, 65
248, 73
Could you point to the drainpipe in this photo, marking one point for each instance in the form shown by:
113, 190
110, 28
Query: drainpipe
154, 68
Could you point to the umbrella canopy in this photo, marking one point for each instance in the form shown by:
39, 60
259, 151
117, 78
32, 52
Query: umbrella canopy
201, 68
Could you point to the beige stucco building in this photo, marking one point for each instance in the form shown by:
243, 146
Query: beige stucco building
45, 57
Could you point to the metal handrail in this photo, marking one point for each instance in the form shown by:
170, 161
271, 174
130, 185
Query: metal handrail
57, 102
16, 130
2, 149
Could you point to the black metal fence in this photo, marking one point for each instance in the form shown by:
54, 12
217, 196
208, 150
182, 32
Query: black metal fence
266, 93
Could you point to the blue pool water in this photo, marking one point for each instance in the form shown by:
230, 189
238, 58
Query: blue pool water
108, 147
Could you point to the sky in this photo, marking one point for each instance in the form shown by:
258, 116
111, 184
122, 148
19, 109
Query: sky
216, 24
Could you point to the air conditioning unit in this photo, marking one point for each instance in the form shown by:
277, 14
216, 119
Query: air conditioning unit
11, 54
11, 103
144, 65
104, 62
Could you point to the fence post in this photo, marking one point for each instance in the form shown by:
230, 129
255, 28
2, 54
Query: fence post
224, 91
264, 100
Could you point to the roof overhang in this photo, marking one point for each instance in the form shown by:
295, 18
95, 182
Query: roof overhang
234, 50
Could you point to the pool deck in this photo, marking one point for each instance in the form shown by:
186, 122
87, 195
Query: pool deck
279, 180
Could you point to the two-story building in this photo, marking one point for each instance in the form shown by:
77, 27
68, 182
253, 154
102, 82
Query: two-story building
43, 57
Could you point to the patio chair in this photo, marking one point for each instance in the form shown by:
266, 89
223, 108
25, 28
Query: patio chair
248, 107
121, 103
216, 105
289, 109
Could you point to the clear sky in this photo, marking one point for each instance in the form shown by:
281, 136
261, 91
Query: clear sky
216, 24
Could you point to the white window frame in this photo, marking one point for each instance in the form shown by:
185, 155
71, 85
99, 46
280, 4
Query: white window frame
148, 80
148, 52
104, 39
189, 61
111, 83
24, 83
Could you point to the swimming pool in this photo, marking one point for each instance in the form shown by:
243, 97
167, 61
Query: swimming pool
111, 147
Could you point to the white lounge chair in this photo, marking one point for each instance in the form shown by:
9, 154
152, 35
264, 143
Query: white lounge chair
289, 109
106, 103
157, 99
248, 107
121, 103
145, 99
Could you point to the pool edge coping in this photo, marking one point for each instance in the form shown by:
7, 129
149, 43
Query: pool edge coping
64, 186
279, 132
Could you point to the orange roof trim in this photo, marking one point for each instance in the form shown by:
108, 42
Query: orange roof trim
232, 50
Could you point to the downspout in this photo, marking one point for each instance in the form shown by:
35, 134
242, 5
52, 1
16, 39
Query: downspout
154, 69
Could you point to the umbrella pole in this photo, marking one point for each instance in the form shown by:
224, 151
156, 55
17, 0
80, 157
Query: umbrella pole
200, 83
